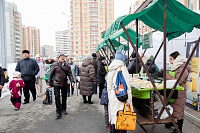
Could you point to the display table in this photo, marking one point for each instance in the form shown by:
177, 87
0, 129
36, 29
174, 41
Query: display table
145, 93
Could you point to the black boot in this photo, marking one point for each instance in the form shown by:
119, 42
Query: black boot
58, 115
84, 100
89, 100
180, 126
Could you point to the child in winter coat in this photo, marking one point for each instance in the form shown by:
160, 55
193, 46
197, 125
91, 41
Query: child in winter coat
16, 86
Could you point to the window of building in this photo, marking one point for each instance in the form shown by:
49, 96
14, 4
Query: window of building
86, 42
110, 10
85, 10
76, 42
76, 52
86, 52
76, 47
75, 4
85, 37
85, 33
85, 5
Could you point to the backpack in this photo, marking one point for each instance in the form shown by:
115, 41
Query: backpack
121, 87
6, 77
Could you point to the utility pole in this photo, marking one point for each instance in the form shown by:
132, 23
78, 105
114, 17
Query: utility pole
3, 34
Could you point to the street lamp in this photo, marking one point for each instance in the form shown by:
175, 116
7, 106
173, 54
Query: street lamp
69, 28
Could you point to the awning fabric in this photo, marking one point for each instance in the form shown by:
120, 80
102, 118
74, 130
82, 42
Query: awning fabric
180, 19
116, 44
113, 38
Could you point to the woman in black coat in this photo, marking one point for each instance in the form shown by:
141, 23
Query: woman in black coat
101, 73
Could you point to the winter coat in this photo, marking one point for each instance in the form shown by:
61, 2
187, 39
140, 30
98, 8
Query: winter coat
179, 104
95, 62
41, 73
114, 104
153, 68
74, 71
28, 68
132, 66
2, 78
101, 73
87, 78
16, 91
58, 75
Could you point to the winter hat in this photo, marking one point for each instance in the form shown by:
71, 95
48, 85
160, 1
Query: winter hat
119, 56
69, 57
89, 58
94, 55
37, 56
102, 58
60, 54
16, 74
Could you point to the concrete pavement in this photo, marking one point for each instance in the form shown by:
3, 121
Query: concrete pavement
83, 118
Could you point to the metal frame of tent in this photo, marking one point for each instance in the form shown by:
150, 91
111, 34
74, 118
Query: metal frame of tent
165, 99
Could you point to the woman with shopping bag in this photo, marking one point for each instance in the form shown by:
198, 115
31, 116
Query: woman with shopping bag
115, 104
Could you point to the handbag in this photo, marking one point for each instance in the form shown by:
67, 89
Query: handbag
126, 120
104, 96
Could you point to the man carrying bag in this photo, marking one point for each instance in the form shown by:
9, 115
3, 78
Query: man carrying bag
58, 73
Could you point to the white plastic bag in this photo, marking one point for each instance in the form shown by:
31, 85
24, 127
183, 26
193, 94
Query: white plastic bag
165, 115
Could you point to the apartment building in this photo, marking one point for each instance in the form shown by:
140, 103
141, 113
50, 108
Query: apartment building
63, 42
31, 40
47, 51
13, 32
89, 18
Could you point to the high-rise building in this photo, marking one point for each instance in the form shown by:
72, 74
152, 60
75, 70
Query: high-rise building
31, 40
47, 51
191, 4
62, 42
89, 18
13, 32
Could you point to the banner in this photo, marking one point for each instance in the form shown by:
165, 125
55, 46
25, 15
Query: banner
193, 85
147, 41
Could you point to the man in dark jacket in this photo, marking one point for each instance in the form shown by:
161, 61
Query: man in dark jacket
28, 68
1, 79
58, 74
94, 61
101, 73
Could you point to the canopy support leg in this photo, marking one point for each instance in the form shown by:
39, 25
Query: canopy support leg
142, 63
137, 44
156, 55
112, 45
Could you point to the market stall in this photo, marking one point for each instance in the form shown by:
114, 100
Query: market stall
166, 16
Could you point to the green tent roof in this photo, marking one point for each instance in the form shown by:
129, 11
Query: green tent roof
113, 38
116, 44
180, 19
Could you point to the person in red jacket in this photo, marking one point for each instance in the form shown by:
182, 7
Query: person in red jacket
16, 86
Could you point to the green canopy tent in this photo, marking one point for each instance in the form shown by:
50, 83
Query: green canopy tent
177, 19
172, 18
117, 45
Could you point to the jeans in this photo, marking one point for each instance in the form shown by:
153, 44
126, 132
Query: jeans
60, 106
29, 86
95, 88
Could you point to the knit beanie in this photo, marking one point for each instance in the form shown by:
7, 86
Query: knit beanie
102, 58
60, 54
89, 58
119, 56
94, 55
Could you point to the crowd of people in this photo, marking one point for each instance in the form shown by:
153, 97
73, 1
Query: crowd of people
62, 74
